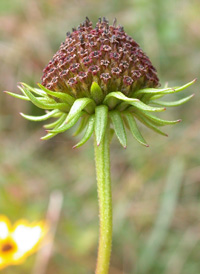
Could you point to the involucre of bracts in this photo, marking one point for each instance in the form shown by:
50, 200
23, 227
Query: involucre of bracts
100, 77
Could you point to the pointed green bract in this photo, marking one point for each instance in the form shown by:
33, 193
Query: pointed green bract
155, 97
178, 89
157, 121
151, 91
122, 106
39, 104
34, 90
22, 91
78, 106
59, 122
147, 123
118, 127
81, 125
113, 99
61, 95
140, 105
45, 100
173, 104
39, 118
112, 102
132, 101
101, 119
67, 125
58, 114
96, 93
56, 123
88, 133
164, 90
18, 96
134, 129
122, 109
120, 96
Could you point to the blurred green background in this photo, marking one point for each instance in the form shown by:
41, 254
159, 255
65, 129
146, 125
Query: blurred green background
156, 190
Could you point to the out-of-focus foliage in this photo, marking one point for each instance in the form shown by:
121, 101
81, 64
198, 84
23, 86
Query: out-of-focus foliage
156, 200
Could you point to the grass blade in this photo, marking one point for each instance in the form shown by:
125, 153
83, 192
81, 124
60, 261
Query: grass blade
164, 218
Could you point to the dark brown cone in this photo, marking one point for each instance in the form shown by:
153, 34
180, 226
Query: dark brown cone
105, 54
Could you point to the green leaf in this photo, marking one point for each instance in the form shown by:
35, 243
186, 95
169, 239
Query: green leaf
173, 104
61, 95
96, 93
78, 106
118, 127
67, 125
147, 123
18, 96
101, 119
134, 129
39, 118
82, 125
88, 132
58, 123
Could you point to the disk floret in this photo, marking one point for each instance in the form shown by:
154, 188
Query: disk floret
100, 77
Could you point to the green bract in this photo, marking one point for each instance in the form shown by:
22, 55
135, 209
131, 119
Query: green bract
96, 112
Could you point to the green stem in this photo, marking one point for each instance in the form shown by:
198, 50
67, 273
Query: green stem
102, 159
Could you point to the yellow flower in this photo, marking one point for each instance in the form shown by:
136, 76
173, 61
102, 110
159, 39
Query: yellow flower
18, 241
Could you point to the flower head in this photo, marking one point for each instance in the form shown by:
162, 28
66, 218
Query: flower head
100, 76
104, 54
18, 241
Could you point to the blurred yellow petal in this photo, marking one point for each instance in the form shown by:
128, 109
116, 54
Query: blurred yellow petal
27, 237
4, 227
18, 242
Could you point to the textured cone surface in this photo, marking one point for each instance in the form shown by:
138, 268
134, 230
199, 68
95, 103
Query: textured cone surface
104, 54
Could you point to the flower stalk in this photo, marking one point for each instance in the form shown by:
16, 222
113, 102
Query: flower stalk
102, 160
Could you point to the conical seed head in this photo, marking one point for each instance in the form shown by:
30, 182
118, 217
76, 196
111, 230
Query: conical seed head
104, 54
